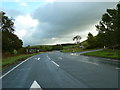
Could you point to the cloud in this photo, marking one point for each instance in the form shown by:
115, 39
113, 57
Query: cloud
25, 25
23, 4
62, 21
59, 22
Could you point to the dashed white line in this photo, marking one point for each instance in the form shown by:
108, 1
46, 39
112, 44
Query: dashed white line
14, 68
35, 85
55, 63
60, 58
90, 62
38, 58
48, 57
117, 68
75, 54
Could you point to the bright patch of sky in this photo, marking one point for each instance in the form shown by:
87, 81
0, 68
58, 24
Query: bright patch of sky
25, 7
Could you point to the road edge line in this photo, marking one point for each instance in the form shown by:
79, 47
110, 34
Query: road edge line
15, 67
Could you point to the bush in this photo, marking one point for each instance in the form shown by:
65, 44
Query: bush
22, 51
15, 52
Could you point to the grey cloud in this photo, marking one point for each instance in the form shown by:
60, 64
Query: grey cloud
60, 19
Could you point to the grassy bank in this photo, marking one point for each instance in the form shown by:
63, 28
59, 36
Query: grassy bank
107, 53
7, 62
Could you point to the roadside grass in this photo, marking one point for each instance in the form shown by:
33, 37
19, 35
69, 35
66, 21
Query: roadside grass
106, 53
76, 49
9, 61
71, 50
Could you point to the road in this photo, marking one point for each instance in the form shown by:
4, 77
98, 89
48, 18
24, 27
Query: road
62, 70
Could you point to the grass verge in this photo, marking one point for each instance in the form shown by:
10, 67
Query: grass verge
107, 53
76, 50
7, 62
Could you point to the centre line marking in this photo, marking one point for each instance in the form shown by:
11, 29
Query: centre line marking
38, 58
55, 63
60, 58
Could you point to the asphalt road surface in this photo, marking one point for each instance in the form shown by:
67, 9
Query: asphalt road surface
62, 70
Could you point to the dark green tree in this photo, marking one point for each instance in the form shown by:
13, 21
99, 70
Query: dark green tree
109, 27
77, 38
10, 41
6, 23
91, 40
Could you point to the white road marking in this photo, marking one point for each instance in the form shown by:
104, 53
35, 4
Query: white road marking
14, 68
71, 54
55, 63
90, 62
35, 85
117, 68
35, 58
48, 57
38, 58
112, 60
75, 54
60, 58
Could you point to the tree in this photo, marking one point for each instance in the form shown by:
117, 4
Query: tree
10, 41
91, 40
6, 23
109, 27
77, 38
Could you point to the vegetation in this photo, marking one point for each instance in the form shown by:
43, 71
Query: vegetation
10, 41
45, 48
108, 53
7, 62
108, 30
77, 38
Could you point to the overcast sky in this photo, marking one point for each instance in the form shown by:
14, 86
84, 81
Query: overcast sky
52, 22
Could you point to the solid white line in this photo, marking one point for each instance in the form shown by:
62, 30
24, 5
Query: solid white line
14, 68
35, 85
55, 63
38, 58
